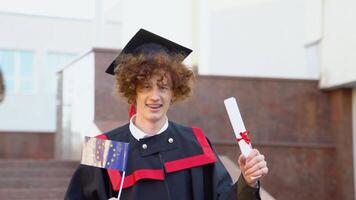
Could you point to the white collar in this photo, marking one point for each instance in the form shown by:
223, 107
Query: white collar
139, 134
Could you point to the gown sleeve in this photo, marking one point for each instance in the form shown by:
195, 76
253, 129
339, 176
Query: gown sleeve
226, 190
89, 183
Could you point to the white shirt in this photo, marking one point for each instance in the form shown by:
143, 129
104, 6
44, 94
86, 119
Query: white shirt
139, 134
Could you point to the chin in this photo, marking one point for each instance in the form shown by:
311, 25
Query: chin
155, 118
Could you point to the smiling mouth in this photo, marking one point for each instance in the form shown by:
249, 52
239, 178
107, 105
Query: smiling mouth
155, 106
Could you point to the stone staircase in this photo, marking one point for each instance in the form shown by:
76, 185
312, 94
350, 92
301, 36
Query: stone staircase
34, 179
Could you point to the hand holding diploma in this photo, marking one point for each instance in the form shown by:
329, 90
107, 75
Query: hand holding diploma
252, 164
253, 167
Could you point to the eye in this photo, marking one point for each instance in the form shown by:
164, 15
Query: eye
164, 87
146, 86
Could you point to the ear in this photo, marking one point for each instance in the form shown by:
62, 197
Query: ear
173, 100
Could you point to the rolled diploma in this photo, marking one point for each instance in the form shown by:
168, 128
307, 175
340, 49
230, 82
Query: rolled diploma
237, 124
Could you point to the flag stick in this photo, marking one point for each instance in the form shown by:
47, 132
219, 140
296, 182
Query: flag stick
122, 183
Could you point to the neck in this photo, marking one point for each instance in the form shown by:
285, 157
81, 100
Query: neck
147, 126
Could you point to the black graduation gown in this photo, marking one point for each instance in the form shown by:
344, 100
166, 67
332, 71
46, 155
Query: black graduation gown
178, 164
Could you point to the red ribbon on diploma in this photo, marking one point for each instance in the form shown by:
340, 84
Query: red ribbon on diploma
244, 137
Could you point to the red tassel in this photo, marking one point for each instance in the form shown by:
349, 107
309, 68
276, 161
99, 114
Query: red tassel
132, 111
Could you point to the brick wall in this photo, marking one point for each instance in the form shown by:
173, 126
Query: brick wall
28, 145
305, 133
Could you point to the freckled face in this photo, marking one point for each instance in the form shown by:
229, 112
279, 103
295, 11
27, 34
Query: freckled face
153, 99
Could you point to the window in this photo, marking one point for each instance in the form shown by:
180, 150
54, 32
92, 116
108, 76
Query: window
18, 71
55, 62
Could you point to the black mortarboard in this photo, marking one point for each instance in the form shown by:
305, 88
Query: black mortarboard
145, 42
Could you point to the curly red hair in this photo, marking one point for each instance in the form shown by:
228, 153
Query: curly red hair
134, 70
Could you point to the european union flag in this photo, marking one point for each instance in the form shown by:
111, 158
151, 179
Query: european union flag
105, 153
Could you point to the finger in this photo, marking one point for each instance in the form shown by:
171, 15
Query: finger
265, 171
259, 173
256, 178
255, 168
254, 161
253, 153
242, 161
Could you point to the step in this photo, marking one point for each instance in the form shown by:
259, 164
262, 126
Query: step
36, 172
38, 194
34, 182
24, 163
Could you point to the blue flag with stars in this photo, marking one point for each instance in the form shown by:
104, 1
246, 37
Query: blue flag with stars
107, 154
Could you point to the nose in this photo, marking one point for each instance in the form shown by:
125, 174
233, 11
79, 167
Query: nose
155, 94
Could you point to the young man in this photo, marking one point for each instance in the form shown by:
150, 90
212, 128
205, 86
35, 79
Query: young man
166, 160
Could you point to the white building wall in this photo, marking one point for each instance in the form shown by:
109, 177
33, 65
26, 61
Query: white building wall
259, 39
338, 58
255, 38
169, 18
43, 35
77, 107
